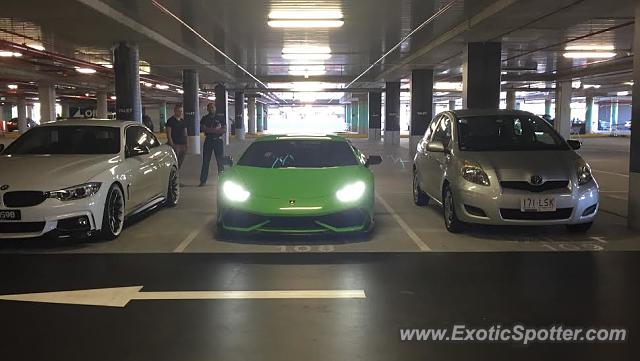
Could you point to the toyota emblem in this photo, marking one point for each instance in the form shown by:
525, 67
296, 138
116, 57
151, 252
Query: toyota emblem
292, 202
536, 180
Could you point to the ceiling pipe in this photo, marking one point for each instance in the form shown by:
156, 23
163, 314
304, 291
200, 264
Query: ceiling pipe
425, 23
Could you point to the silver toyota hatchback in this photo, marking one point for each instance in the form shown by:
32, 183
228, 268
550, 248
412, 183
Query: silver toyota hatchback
503, 167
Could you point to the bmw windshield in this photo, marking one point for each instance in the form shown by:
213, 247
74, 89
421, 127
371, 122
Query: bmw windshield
298, 154
67, 140
507, 133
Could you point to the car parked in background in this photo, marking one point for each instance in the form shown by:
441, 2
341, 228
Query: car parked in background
12, 124
76, 178
298, 184
503, 168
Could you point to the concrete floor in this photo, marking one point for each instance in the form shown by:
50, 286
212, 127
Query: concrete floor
401, 226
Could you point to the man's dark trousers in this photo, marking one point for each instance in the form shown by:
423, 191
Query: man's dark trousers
215, 146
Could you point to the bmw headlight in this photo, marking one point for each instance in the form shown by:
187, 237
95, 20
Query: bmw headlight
351, 192
75, 192
584, 174
235, 192
474, 173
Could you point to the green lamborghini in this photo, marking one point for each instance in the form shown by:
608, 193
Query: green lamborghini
298, 184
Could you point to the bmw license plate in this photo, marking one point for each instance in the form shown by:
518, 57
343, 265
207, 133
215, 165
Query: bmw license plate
9, 215
538, 204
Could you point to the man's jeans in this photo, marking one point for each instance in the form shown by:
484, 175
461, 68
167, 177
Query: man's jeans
211, 145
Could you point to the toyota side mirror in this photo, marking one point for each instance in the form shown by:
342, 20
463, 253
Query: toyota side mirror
373, 160
436, 147
227, 161
574, 144
138, 150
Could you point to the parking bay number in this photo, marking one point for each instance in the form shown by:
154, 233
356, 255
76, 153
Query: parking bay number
538, 204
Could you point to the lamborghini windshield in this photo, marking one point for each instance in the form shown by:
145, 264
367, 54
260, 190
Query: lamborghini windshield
298, 154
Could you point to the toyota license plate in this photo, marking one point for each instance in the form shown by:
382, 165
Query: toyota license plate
9, 215
538, 204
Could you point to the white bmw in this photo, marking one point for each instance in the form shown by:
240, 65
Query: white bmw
76, 178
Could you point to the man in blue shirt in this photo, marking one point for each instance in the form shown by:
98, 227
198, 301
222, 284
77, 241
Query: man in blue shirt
214, 126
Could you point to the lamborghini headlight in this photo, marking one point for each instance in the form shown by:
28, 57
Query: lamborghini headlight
235, 192
351, 192
584, 174
75, 192
474, 173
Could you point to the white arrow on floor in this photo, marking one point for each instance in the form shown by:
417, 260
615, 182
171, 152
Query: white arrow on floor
121, 296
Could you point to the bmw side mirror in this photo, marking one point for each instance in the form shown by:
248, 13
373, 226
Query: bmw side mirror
373, 160
574, 144
227, 160
137, 151
436, 147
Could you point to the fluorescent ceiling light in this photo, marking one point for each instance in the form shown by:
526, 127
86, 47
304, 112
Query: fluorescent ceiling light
85, 70
448, 85
589, 48
302, 14
36, 46
211, 98
307, 70
180, 91
306, 49
162, 86
9, 54
108, 66
629, 83
623, 94
307, 56
305, 23
591, 86
113, 97
589, 55
12, 86
147, 84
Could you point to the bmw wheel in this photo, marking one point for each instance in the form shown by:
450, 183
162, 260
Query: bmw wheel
451, 221
420, 198
173, 189
113, 217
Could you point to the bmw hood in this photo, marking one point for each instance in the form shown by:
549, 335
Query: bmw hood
49, 172
522, 165
298, 183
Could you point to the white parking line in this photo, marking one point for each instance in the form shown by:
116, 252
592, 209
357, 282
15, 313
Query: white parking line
610, 173
191, 236
414, 237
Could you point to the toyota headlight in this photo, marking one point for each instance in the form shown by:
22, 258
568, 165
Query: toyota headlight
75, 192
584, 174
235, 192
474, 173
351, 192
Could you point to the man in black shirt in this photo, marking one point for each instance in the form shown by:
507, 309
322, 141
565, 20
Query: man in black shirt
177, 133
214, 126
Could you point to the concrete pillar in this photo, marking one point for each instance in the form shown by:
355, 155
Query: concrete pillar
162, 109
47, 97
347, 116
547, 106
66, 112
363, 114
22, 114
588, 115
511, 99
6, 111
614, 116
29, 111
101, 107
355, 116
375, 116
562, 122
239, 119
191, 103
421, 106
452, 104
392, 114
127, 78
265, 117
251, 112
222, 105
634, 157
259, 117
481, 76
